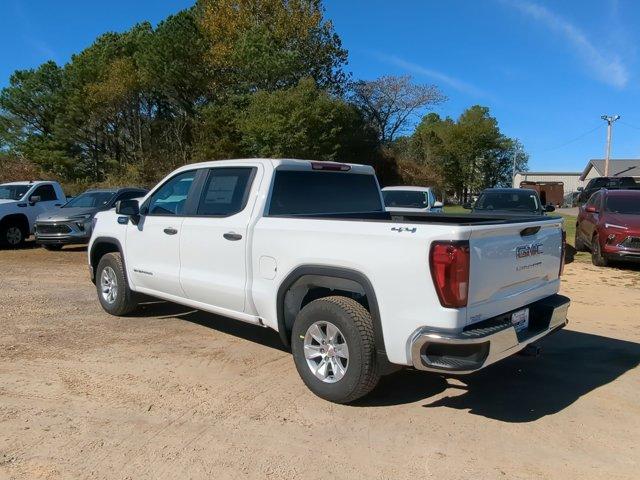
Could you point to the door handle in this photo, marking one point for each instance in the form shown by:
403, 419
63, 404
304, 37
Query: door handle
232, 236
170, 231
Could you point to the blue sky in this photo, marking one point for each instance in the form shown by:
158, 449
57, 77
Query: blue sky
547, 69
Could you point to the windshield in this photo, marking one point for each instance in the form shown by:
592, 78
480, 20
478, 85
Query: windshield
405, 199
522, 201
626, 205
13, 192
90, 200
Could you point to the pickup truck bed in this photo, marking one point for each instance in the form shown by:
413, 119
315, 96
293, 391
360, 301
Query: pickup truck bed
277, 243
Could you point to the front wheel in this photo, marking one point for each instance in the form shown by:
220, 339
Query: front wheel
113, 289
334, 349
12, 235
578, 243
597, 258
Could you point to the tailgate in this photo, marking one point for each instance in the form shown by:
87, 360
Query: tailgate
512, 265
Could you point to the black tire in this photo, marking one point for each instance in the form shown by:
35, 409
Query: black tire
53, 248
356, 326
125, 300
12, 235
578, 243
597, 258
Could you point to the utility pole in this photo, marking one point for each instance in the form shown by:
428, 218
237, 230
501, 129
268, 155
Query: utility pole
609, 119
513, 171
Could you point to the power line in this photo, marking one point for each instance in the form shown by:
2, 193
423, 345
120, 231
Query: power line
629, 125
579, 137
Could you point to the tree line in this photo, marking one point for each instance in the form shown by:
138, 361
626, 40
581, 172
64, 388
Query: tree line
230, 79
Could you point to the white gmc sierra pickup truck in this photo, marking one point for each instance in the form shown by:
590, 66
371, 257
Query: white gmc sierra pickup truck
306, 248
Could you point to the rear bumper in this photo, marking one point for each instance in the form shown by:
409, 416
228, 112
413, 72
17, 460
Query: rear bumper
488, 341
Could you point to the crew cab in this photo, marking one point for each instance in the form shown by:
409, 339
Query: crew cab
411, 199
307, 249
20, 205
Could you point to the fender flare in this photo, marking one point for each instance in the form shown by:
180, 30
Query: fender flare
104, 241
326, 276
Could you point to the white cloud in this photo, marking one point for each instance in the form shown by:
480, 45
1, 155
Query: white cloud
607, 67
440, 77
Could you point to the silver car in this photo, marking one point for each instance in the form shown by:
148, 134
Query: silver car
71, 223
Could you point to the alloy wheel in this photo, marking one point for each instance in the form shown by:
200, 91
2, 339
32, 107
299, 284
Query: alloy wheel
326, 351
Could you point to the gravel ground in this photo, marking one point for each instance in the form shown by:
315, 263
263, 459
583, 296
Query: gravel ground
174, 393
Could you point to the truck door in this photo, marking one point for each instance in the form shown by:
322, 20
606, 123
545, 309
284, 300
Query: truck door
213, 245
153, 245
48, 201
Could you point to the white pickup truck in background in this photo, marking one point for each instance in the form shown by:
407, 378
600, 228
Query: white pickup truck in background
411, 199
306, 248
20, 205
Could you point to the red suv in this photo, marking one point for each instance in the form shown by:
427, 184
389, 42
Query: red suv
609, 225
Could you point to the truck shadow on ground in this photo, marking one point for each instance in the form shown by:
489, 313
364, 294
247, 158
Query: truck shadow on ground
518, 389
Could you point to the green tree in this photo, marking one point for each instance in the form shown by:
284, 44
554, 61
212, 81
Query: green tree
468, 154
305, 122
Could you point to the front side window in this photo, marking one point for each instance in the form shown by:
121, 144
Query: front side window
90, 200
170, 198
45, 192
301, 192
225, 191
405, 199
13, 192
594, 200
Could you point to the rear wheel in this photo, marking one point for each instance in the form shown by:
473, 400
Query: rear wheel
597, 258
112, 286
12, 235
334, 349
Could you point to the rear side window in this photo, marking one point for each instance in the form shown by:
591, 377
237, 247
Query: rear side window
225, 191
45, 192
308, 193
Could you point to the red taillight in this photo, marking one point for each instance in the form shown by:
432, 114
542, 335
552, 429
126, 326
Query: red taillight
449, 263
563, 249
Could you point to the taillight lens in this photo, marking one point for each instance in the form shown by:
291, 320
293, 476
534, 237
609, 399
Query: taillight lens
563, 249
449, 262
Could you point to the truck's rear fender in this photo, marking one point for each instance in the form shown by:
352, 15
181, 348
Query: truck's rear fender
310, 282
99, 248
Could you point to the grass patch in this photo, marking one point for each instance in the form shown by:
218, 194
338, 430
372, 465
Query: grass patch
455, 209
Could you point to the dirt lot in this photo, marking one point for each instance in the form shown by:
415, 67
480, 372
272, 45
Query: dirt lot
173, 393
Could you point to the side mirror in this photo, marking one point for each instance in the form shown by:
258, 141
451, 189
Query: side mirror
438, 204
591, 209
467, 206
33, 199
128, 207
580, 189
549, 208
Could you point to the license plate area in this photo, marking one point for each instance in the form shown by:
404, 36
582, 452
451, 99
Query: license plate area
520, 320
